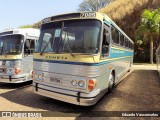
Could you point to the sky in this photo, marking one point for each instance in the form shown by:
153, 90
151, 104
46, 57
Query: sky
15, 13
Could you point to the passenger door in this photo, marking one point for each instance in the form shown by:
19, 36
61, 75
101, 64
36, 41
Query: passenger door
27, 61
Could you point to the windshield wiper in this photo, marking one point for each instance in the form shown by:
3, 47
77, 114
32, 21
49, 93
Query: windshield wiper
68, 46
41, 53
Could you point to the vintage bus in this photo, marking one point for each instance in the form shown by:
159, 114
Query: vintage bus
79, 57
16, 54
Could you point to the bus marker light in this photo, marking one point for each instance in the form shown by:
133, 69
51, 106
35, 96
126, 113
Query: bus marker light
33, 74
110, 67
17, 70
91, 84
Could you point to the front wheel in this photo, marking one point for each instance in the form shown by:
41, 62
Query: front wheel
111, 82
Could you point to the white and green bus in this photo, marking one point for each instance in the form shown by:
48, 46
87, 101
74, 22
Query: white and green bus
79, 57
16, 54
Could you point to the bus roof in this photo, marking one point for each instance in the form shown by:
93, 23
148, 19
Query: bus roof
84, 15
27, 32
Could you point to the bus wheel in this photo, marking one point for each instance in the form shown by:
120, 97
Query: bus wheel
111, 82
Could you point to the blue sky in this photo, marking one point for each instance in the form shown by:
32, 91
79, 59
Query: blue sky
14, 13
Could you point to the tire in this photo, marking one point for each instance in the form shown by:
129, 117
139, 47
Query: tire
111, 82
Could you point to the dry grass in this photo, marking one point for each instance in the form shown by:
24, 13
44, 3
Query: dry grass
127, 13
120, 8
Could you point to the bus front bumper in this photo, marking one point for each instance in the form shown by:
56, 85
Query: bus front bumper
73, 97
9, 78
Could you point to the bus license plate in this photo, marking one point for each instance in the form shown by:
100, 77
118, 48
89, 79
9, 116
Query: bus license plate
55, 80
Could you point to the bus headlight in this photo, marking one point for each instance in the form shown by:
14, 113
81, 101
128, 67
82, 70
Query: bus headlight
74, 82
81, 83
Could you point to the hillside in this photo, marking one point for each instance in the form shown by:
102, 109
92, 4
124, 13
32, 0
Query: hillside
127, 13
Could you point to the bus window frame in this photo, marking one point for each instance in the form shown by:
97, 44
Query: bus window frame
107, 27
112, 27
23, 51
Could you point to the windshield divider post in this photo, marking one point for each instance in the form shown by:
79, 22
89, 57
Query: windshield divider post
60, 36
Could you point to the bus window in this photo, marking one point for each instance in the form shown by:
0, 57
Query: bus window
32, 46
105, 43
121, 40
126, 42
130, 45
115, 35
29, 47
46, 40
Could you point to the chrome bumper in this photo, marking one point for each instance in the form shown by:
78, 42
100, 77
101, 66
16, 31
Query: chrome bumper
9, 78
69, 96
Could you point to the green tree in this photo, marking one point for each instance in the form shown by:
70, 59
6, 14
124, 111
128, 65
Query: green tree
26, 26
149, 28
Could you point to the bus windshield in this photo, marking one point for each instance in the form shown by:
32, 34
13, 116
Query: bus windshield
76, 36
11, 44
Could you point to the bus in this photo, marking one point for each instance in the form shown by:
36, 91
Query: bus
79, 57
16, 54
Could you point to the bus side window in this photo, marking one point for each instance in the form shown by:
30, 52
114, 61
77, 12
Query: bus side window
105, 43
121, 40
26, 47
115, 35
32, 46
29, 47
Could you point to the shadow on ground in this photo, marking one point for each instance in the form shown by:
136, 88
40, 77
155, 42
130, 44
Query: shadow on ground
15, 85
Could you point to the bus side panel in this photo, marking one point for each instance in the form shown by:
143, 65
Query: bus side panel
27, 66
121, 60
121, 66
102, 79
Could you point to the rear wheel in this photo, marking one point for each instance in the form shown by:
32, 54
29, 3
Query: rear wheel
111, 82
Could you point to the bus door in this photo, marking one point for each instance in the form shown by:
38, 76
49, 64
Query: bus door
29, 47
27, 61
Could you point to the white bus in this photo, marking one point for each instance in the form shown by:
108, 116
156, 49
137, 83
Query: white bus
16, 54
79, 57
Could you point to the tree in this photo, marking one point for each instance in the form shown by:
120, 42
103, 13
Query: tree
93, 5
149, 28
37, 25
26, 26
